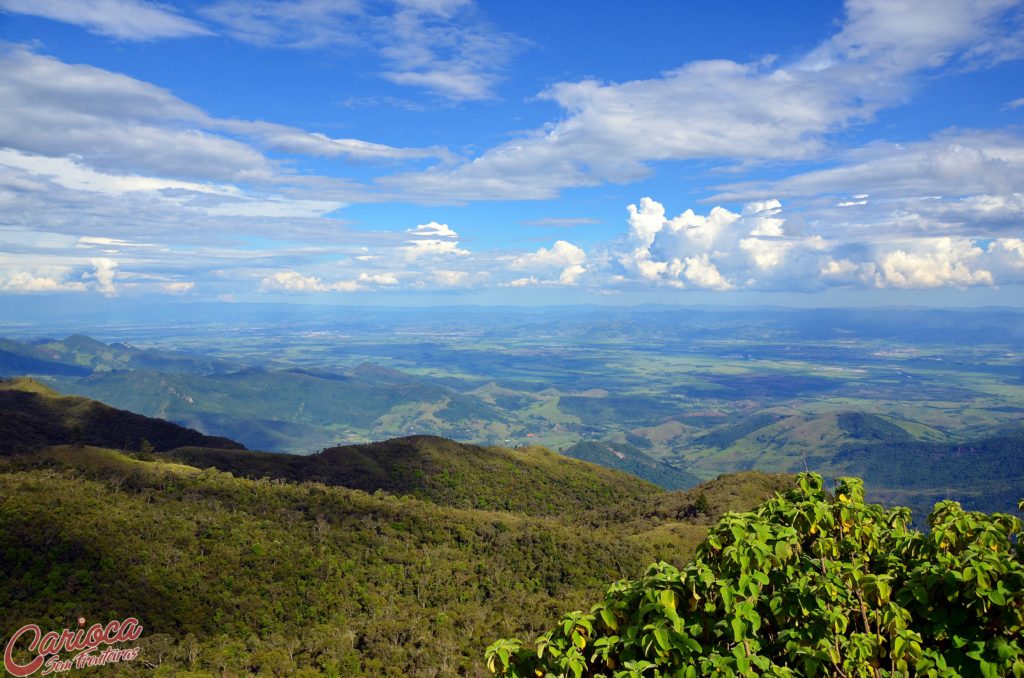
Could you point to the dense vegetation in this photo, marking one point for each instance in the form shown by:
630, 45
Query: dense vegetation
807, 584
531, 480
290, 573
238, 575
984, 474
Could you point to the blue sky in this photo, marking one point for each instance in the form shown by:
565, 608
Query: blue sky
446, 151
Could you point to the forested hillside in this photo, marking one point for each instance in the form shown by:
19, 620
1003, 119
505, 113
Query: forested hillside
290, 571
530, 480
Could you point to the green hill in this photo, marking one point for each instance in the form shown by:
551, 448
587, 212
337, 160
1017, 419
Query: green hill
773, 441
17, 358
533, 480
291, 572
984, 474
633, 460
79, 355
33, 415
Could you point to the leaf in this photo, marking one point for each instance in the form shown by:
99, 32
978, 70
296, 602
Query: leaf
609, 619
727, 596
737, 629
661, 636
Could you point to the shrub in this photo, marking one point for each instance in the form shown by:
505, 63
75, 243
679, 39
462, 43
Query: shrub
810, 583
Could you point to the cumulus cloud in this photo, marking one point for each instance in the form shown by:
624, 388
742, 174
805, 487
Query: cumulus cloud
104, 271
703, 273
122, 19
292, 281
933, 262
28, 281
563, 258
752, 250
450, 278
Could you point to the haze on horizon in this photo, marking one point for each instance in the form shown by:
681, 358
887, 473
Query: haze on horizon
446, 152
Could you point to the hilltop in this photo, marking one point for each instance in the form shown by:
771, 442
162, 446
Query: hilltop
36, 416
530, 480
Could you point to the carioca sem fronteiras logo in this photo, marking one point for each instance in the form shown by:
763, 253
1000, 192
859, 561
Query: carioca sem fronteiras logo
84, 642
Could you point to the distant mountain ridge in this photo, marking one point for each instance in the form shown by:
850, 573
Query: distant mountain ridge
32, 416
631, 459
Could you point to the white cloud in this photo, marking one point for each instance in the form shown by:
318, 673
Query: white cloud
104, 272
933, 262
113, 123
293, 281
122, 19
702, 273
531, 281
571, 274
305, 24
417, 249
432, 230
757, 111
178, 287
300, 142
954, 163
453, 279
53, 280
1008, 252
443, 46
846, 272
106, 122
450, 278
427, 241
378, 278
70, 174
275, 207
753, 251
563, 257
